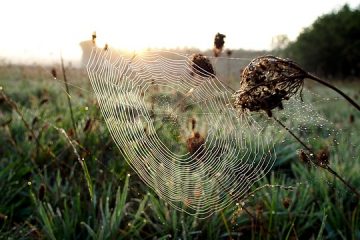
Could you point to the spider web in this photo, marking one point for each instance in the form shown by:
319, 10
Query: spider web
178, 130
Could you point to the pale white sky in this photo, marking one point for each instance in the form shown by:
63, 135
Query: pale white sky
38, 30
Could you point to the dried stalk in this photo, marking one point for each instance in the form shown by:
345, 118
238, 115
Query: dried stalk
68, 95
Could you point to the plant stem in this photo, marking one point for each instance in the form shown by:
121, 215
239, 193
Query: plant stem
292, 134
68, 95
226, 224
324, 166
351, 101
329, 169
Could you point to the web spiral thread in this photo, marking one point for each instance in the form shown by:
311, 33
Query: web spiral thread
148, 101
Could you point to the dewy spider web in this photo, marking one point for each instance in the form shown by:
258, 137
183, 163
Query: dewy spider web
149, 102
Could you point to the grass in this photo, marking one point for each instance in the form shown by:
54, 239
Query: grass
50, 191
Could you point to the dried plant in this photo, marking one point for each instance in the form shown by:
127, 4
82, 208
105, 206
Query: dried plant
266, 82
218, 44
321, 159
229, 52
68, 95
201, 65
195, 143
54, 73
269, 80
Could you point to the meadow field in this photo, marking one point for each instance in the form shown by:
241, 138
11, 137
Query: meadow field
60, 181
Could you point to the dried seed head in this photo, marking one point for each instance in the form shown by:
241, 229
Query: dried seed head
286, 202
304, 157
201, 65
70, 132
53, 72
195, 143
322, 157
106, 47
266, 82
218, 44
229, 52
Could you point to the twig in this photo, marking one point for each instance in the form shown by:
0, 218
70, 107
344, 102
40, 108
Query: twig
68, 95
351, 101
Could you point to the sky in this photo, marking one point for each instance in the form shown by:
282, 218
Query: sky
41, 30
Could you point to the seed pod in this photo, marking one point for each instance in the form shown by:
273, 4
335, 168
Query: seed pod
218, 44
304, 157
322, 157
195, 143
266, 82
202, 66
229, 52
53, 72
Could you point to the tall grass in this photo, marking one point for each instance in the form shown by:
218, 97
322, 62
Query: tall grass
45, 190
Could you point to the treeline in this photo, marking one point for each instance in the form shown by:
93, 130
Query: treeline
331, 45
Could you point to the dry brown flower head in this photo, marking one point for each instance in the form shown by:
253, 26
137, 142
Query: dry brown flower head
229, 52
322, 157
218, 44
266, 82
195, 143
304, 157
53, 72
201, 65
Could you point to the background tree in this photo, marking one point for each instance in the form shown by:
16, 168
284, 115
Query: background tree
331, 45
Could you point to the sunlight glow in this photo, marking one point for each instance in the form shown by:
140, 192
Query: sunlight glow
39, 30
